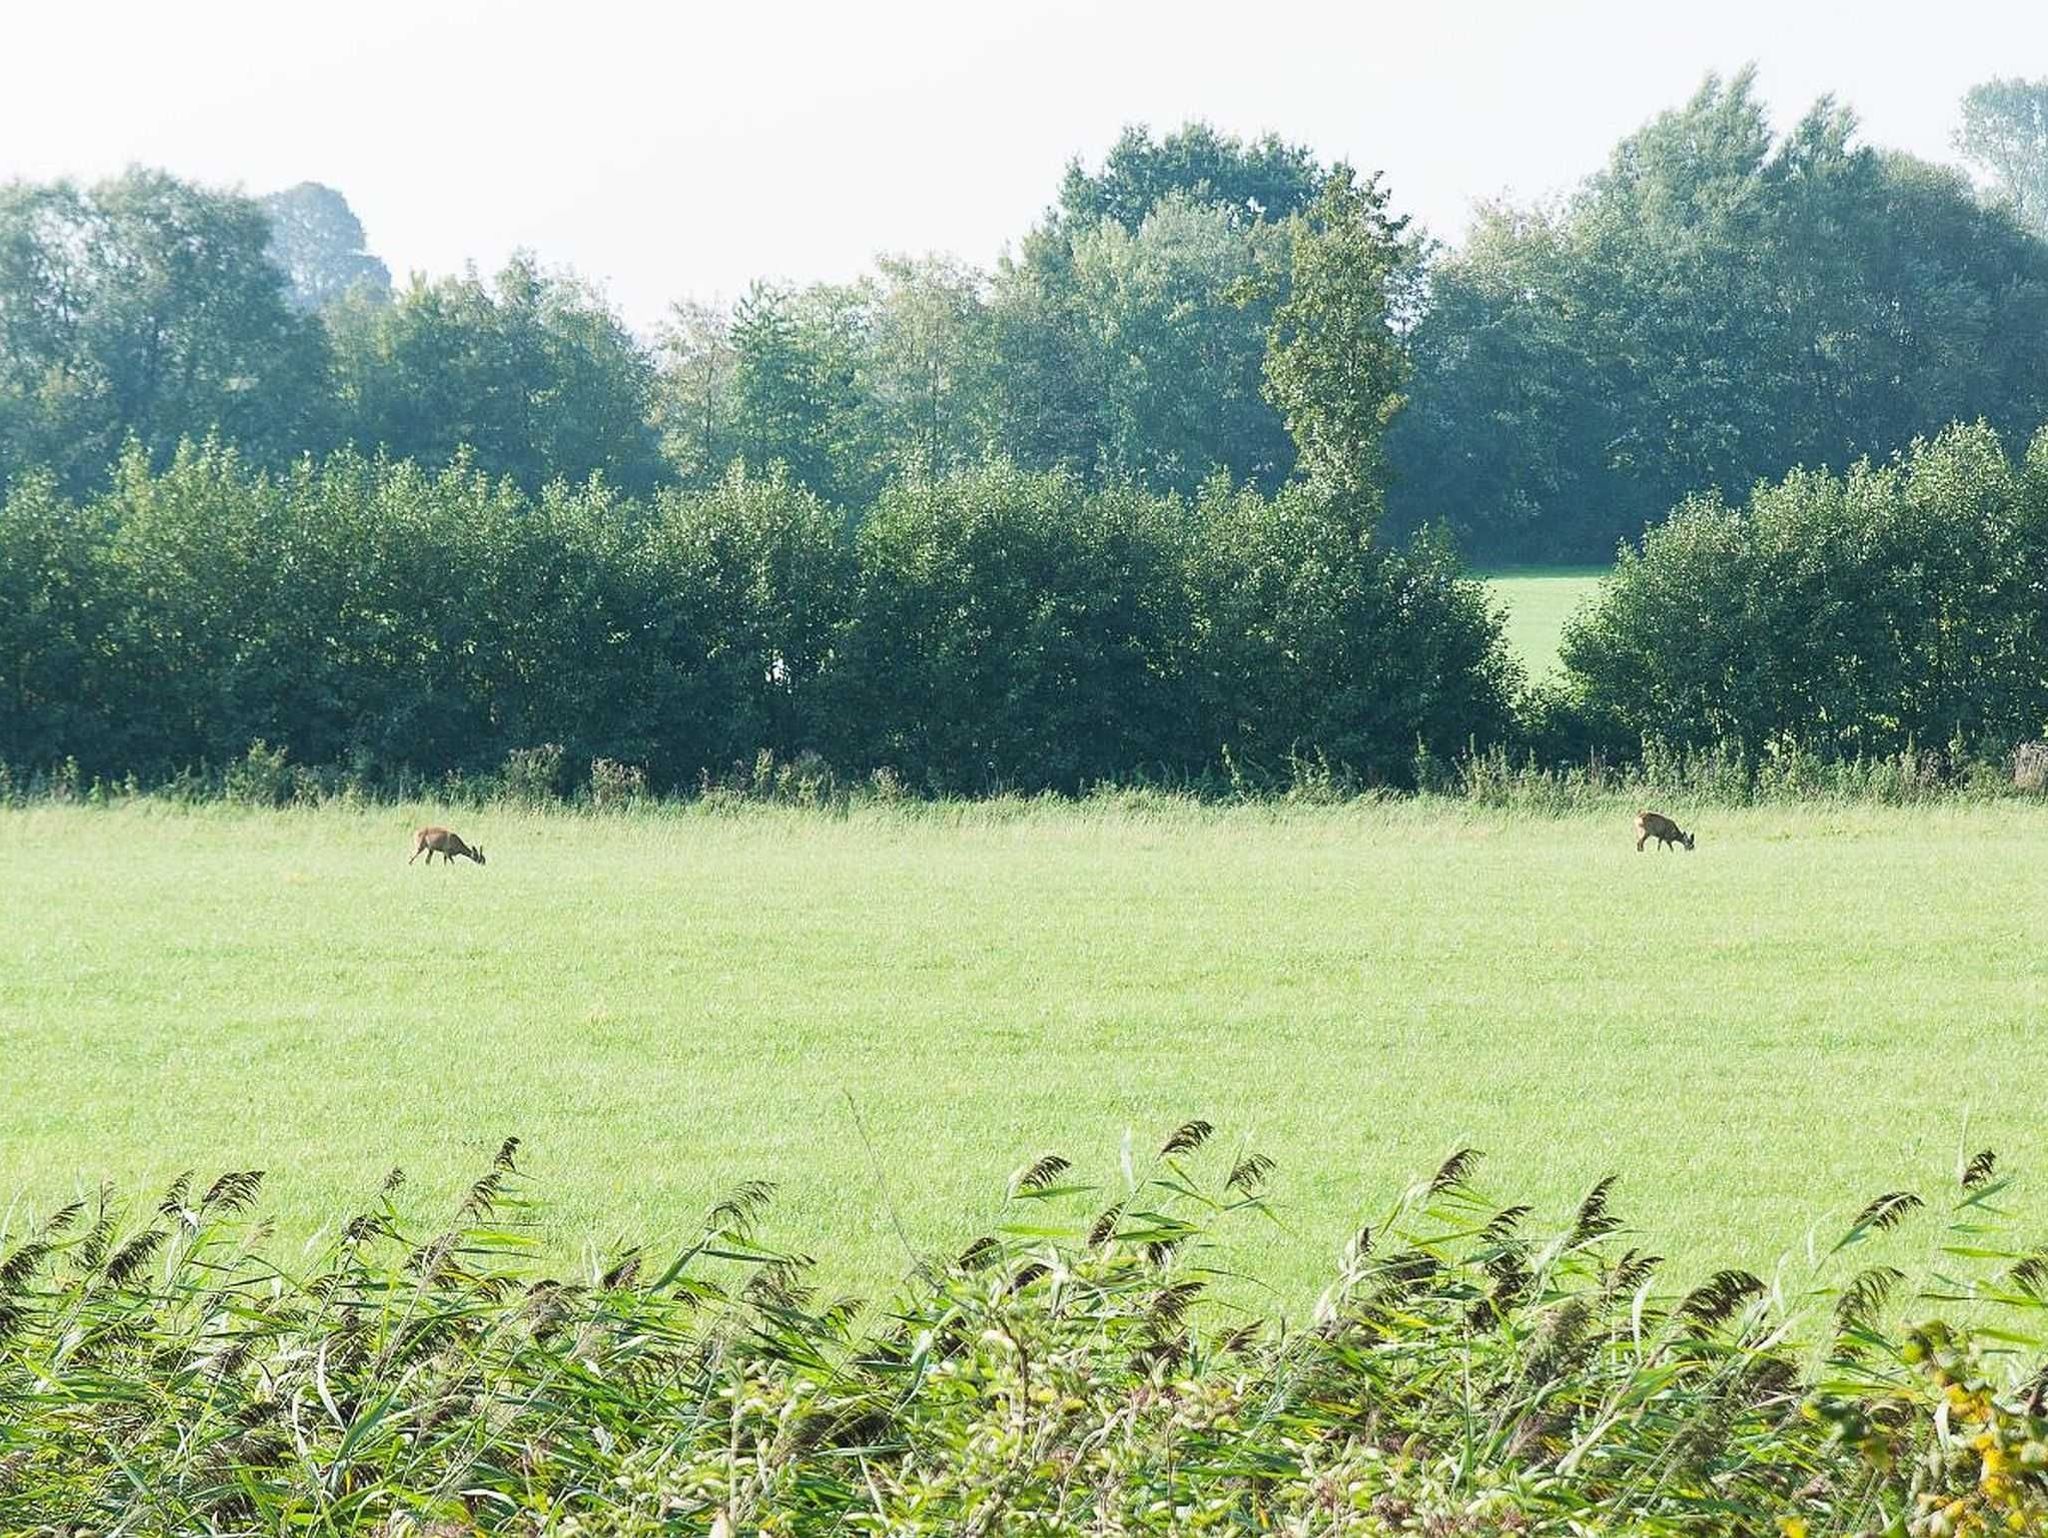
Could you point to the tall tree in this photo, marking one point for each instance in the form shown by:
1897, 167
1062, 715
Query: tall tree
1261, 179
1047, 381
316, 238
1176, 314
1125, 334
782, 390
694, 404
146, 307
1334, 367
532, 372
926, 364
2005, 130
1716, 305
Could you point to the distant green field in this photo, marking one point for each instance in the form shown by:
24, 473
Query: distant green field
1539, 600
1817, 1005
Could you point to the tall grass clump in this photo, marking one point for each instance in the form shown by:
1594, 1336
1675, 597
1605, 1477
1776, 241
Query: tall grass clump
1468, 1371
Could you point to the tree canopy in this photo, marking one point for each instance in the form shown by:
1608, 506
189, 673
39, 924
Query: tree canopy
1715, 305
318, 241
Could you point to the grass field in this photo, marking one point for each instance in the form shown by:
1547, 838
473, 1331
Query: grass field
1539, 600
1757, 1036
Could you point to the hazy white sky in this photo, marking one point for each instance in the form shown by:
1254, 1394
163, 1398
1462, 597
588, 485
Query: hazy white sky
674, 149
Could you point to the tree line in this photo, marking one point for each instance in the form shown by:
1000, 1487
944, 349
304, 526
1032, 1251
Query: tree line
1716, 305
433, 532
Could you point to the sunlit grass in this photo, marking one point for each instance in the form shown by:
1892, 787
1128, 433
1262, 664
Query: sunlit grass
888, 1012
1539, 599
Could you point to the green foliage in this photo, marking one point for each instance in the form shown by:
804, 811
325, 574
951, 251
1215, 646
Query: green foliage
1718, 304
1016, 630
693, 406
531, 376
925, 365
2005, 130
1318, 637
1468, 1369
1854, 616
532, 776
1263, 179
146, 309
615, 786
260, 778
792, 390
983, 628
317, 240
1126, 336
1174, 315
1334, 366
1715, 307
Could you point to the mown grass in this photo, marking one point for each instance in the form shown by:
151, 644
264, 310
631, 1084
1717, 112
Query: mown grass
889, 1011
1539, 599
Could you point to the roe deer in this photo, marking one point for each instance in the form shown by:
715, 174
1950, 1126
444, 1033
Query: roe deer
439, 841
1655, 825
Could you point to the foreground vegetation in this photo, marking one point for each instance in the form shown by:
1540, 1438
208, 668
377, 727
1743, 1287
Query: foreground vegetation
876, 1005
1471, 1369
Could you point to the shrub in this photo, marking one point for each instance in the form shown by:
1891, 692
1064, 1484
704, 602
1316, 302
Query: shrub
613, 784
1844, 617
533, 776
260, 777
986, 629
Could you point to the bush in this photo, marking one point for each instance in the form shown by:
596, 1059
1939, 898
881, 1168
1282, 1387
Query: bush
260, 777
533, 776
982, 630
1016, 631
1843, 617
613, 784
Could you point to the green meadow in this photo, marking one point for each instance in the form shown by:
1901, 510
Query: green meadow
887, 1012
1538, 600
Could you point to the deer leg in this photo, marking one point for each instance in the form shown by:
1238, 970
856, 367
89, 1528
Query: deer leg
1642, 841
415, 854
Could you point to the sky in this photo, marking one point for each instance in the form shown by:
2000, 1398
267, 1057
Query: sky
674, 150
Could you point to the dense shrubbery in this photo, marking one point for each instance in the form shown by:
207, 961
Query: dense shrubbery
1463, 1373
984, 628
1903, 606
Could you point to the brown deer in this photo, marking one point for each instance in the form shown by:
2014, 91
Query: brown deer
1655, 825
439, 841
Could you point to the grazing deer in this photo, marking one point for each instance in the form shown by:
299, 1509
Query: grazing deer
439, 841
1655, 825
